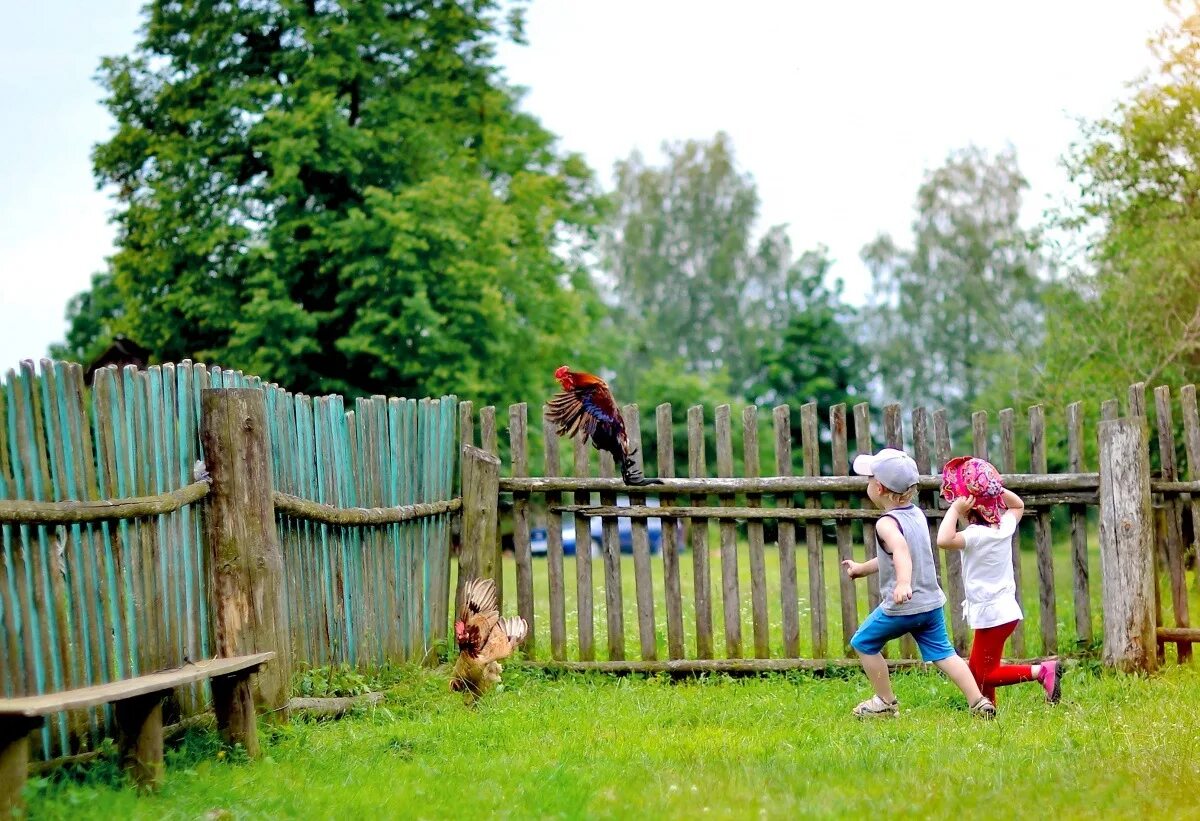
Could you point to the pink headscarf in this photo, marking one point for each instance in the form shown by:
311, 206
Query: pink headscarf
971, 476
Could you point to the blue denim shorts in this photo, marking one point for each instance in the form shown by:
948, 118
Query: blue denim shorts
928, 629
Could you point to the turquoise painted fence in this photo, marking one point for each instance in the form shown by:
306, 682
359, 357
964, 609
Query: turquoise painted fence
88, 603
364, 595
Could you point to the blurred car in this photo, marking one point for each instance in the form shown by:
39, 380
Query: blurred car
539, 537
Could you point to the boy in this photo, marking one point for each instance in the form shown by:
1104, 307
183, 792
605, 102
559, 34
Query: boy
910, 599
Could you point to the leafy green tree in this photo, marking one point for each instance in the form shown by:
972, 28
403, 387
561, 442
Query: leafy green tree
679, 249
951, 314
1130, 309
811, 353
340, 197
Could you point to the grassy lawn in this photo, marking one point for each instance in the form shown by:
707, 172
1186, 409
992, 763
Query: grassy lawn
1063, 576
761, 747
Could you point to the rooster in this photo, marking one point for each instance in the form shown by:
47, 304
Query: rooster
483, 640
586, 407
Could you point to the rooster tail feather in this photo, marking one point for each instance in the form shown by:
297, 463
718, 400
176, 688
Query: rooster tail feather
515, 628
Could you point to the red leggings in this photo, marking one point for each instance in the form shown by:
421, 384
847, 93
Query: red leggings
986, 650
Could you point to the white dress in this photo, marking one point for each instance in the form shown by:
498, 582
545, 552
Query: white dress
988, 574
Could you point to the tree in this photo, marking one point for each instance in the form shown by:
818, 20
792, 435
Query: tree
811, 353
1130, 309
340, 197
947, 316
679, 250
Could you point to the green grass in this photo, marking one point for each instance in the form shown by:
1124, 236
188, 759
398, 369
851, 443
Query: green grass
761, 747
1068, 641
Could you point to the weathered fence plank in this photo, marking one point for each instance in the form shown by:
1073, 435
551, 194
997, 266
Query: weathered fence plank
1079, 547
1174, 516
1047, 609
1008, 463
670, 544
730, 595
865, 444
555, 578
519, 448
782, 420
701, 580
754, 531
583, 559
643, 581
812, 533
841, 467
610, 546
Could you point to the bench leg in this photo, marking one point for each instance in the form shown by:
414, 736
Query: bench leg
233, 702
139, 721
14, 760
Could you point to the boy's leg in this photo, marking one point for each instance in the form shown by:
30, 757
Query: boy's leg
958, 672
875, 666
876, 630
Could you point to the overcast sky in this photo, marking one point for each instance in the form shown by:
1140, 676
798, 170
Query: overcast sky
836, 109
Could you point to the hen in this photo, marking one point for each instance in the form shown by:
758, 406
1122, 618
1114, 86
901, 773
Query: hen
586, 407
483, 640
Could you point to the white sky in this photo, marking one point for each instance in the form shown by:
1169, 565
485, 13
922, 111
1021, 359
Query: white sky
835, 108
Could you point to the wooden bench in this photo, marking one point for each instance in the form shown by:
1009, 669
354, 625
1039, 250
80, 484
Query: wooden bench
138, 707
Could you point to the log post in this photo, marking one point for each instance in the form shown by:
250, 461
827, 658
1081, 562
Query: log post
14, 760
480, 515
140, 725
246, 566
1127, 546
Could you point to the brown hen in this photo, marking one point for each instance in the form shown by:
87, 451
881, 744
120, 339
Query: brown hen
484, 639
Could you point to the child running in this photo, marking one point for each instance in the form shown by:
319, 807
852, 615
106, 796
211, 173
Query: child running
911, 600
990, 513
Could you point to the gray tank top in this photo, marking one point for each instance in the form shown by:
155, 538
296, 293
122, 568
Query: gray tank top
927, 595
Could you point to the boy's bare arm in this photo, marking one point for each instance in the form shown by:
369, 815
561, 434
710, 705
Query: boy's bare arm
858, 569
893, 539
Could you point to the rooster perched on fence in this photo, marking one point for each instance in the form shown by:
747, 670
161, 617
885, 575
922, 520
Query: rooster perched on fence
586, 407
483, 640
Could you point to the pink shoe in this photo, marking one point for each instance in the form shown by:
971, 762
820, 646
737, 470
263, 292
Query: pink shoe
1050, 678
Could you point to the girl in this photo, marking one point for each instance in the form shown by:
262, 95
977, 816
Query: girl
991, 514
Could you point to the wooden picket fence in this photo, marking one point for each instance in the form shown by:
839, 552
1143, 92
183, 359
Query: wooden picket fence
802, 609
105, 571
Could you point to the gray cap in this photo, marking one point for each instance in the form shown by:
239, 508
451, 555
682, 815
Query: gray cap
894, 469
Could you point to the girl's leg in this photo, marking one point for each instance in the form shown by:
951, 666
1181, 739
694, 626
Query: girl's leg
987, 647
996, 674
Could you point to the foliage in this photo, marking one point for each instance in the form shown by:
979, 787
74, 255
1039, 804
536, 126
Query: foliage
949, 314
696, 295
812, 353
1130, 310
341, 198
677, 249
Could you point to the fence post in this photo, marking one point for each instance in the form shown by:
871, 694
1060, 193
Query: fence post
246, 566
480, 516
1126, 546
